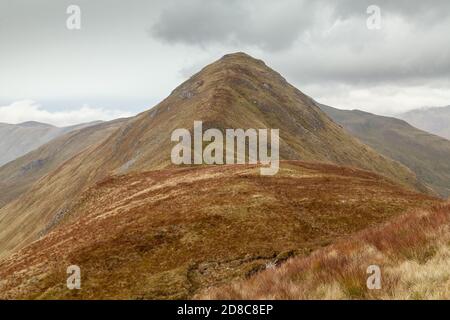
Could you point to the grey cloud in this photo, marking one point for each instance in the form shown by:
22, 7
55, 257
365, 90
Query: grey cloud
417, 11
130, 52
323, 41
273, 26
366, 57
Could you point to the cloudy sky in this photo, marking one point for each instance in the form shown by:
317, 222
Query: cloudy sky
129, 55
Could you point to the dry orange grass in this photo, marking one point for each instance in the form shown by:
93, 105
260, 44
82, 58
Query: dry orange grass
172, 233
413, 252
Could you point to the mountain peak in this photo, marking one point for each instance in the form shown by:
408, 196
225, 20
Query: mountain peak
240, 57
235, 70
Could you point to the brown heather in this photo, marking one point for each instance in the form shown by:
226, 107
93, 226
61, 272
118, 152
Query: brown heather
170, 234
412, 250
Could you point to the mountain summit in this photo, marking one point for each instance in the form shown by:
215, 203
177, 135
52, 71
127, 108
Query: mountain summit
236, 91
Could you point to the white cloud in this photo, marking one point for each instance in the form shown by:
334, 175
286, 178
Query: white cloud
380, 99
28, 110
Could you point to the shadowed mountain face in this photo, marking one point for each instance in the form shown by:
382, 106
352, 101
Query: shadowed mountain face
434, 120
425, 154
237, 91
19, 139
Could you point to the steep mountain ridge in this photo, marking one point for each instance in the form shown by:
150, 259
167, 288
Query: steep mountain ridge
238, 91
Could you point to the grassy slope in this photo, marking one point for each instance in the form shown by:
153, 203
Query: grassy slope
171, 233
413, 252
425, 154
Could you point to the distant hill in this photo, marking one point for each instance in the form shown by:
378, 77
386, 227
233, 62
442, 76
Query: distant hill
17, 176
19, 139
435, 120
425, 154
